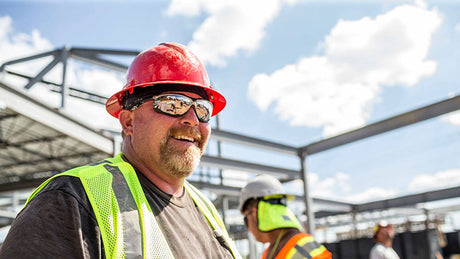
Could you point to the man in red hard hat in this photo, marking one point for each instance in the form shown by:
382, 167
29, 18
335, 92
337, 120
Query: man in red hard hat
138, 203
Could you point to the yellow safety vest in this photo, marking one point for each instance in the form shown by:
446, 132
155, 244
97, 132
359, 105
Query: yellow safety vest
127, 224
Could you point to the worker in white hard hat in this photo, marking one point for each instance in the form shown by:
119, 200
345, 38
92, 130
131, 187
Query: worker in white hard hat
263, 202
383, 238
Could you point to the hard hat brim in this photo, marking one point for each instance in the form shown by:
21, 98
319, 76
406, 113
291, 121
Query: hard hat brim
114, 104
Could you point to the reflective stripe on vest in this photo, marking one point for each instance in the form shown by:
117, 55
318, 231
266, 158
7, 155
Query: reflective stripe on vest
124, 234
302, 245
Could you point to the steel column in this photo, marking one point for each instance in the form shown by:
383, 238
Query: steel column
64, 86
308, 200
225, 208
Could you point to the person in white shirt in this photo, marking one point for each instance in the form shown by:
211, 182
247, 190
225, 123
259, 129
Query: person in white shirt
383, 238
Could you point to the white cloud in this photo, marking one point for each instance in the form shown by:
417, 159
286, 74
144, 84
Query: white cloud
15, 45
457, 28
438, 180
98, 81
372, 194
19, 45
231, 26
338, 187
330, 187
185, 7
339, 88
452, 118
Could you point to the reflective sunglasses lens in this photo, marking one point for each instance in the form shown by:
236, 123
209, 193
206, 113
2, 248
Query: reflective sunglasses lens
178, 105
203, 109
174, 105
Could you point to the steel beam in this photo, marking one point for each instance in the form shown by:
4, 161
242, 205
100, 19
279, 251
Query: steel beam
218, 188
223, 163
73, 92
392, 123
49, 157
410, 200
42, 73
226, 136
45, 159
100, 62
19, 60
115, 52
42, 139
93, 56
22, 184
8, 214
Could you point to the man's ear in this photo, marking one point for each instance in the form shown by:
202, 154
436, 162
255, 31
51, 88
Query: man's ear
126, 120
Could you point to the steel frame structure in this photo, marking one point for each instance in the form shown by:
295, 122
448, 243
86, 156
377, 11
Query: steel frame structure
98, 57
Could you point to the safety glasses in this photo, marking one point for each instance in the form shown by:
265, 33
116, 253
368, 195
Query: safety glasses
177, 105
245, 218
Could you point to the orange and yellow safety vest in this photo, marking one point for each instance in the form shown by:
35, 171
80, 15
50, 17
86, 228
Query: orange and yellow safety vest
302, 245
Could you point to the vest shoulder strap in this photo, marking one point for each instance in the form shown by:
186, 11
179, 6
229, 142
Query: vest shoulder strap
212, 215
305, 245
153, 240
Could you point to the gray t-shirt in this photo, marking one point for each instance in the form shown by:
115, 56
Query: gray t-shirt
60, 223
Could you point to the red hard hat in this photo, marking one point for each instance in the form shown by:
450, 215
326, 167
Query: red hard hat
167, 63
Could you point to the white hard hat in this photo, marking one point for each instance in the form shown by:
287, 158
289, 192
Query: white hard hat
260, 186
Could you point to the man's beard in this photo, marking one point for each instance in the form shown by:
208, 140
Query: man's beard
181, 163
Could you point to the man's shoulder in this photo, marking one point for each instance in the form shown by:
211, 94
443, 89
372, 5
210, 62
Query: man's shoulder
60, 190
61, 186
378, 247
378, 251
64, 183
69, 180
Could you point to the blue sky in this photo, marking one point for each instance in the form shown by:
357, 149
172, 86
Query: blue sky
292, 71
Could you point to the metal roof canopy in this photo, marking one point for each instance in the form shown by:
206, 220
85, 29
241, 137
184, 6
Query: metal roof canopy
37, 141
96, 56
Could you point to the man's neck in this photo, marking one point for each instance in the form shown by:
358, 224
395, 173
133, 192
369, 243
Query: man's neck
387, 243
169, 185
